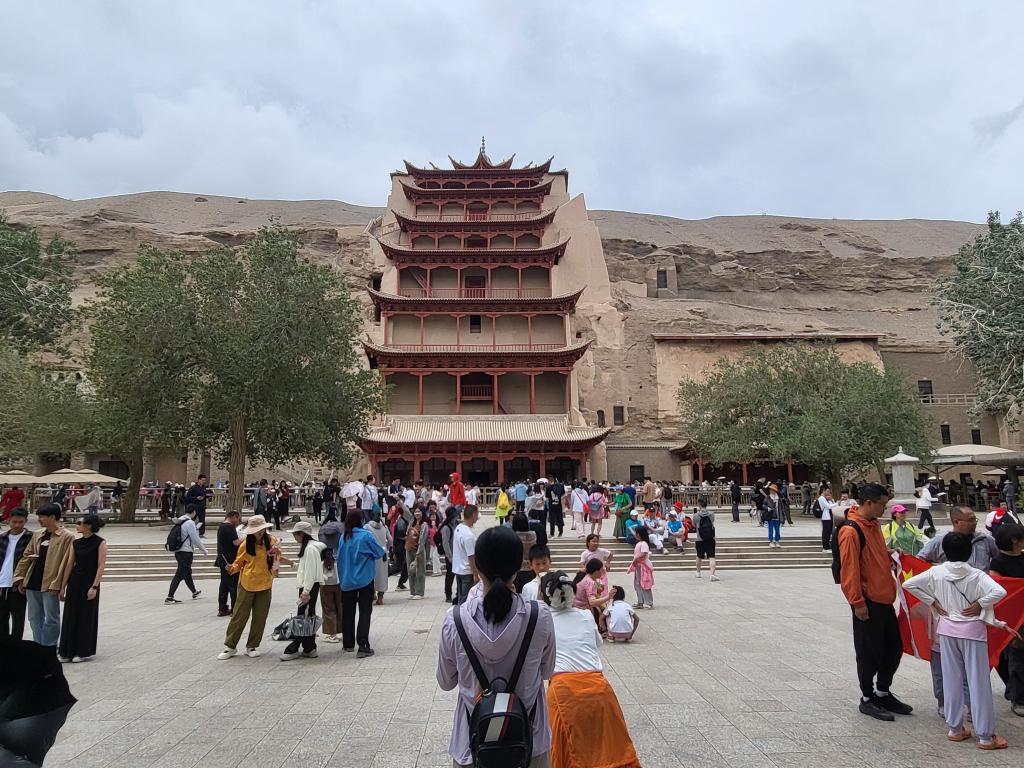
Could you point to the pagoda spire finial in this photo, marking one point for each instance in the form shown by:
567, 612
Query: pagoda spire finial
483, 145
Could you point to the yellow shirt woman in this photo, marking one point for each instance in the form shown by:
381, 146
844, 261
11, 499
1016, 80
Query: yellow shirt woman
254, 570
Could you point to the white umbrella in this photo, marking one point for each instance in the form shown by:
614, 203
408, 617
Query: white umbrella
17, 477
352, 489
76, 476
542, 480
994, 473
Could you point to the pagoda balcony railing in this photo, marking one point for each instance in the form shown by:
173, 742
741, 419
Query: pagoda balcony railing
475, 347
477, 391
967, 399
475, 293
483, 216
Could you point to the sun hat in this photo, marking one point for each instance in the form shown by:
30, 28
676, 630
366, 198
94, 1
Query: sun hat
898, 508
255, 524
302, 527
672, 513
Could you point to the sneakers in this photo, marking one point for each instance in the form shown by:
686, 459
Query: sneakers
1017, 709
415, 597
348, 650
331, 639
252, 653
227, 653
311, 654
171, 601
890, 703
401, 587
63, 659
223, 613
289, 656
196, 594
871, 709
362, 653
76, 659
698, 575
715, 578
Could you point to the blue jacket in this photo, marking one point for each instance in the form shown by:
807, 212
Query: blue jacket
357, 559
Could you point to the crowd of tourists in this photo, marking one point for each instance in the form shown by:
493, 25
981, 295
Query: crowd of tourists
958, 594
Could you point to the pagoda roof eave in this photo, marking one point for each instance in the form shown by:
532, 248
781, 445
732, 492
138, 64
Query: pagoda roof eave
415, 191
543, 218
473, 255
565, 301
529, 170
445, 357
406, 432
482, 161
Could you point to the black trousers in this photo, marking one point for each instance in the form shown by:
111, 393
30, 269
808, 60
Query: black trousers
401, 565
465, 583
449, 579
786, 518
308, 642
735, 511
879, 648
12, 613
926, 514
201, 521
1011, 671
352, 635
228, 588
183, 573
275, 513
556, 519
826, 534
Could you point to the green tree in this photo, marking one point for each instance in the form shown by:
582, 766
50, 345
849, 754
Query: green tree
35, 288
140, 360
802, 402
980, 308
277, 374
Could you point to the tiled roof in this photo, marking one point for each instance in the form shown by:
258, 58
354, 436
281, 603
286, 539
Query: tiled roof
483, 429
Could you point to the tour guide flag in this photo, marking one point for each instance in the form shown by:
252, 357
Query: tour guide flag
916, 618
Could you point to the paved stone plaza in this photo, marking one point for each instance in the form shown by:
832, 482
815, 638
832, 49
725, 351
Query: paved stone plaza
754, 671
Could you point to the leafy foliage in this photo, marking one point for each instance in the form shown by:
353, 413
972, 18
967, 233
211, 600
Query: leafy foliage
277, 373
801, 402
35, 288
980, 307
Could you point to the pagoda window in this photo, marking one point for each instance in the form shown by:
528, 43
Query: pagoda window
477, 185
449, 241
476, 241
502, 241
444, 277
527, 206
454, 185
600, 418
526, 184
430, 185
549, 392
662, 278
947, 439
426, 209
503, 184
476, 211
423, 242
474, 323
535, 280
504, 278
618, 415
452, 209
527, 241
502, 206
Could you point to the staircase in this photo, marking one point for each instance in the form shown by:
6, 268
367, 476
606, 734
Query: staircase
150, 562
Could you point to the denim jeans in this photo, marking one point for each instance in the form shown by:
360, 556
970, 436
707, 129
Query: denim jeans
773, 530
44, 616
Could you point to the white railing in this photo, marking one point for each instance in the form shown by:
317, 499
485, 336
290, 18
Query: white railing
966, 399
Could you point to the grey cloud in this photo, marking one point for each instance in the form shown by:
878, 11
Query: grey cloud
689, 110
994, 126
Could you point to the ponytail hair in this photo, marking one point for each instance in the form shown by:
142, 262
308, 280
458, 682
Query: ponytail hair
499, 555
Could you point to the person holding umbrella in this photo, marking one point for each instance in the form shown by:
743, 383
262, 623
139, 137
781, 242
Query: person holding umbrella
255, 563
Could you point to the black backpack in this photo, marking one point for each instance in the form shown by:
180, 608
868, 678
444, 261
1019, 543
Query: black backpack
500, 728
439, 539
837, 565
705, 528
175, 537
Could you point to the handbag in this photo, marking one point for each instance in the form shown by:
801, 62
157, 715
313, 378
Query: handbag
302, 625
282, 631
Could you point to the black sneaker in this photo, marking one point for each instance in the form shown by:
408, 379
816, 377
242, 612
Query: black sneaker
891, 704
196, 594
171, 601
362, 653
871, 709
349, 650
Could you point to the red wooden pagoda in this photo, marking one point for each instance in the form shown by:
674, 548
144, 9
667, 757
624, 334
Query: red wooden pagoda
475, 341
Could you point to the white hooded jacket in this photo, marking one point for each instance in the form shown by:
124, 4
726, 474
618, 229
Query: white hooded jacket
955, 586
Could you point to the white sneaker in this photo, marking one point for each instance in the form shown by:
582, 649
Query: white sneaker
63, 659
252, 653
699, 576
227, 653
715, 578
76, 659
332, 639
289, 656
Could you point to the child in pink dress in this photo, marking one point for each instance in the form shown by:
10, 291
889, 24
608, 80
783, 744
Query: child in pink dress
642, 569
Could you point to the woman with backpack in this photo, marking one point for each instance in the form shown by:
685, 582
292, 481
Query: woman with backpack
705, 520
451, 519
309, 578
502, 505
330, 592
497, 642
587, 725
597, 508
256, 563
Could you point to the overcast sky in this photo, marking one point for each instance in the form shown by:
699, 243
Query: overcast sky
861, 110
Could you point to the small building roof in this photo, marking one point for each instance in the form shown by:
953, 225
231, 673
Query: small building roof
966, 453
554, 429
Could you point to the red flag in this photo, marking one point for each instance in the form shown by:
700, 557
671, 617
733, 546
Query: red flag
915, 618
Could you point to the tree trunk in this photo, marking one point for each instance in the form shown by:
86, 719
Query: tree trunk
236, 463
835, 480
130, 499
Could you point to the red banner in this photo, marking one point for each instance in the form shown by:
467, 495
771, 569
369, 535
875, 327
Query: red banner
916, 618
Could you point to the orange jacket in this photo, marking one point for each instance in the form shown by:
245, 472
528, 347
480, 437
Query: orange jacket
866, 573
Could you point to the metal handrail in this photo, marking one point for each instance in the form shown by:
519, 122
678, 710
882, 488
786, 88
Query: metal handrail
474, 347
965, 399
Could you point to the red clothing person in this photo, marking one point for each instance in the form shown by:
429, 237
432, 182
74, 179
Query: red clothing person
457, 491
15, 497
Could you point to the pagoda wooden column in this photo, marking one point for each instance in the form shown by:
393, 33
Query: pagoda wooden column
568, 390
519, 272
700, 470
421, 330
494, 331
419, 376
529, 331
533, 403
789, 470
417, 468
458, 394
494, 391
501, 467
743, 468
458, 331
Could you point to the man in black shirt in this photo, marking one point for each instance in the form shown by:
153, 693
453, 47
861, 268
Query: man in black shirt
556, 517
227, 549
196, 495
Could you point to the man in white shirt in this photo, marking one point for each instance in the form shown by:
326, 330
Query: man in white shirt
409, 497
368, 497
924, 506
12, 601
472, 494
184, 555
463, 557
826, 505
